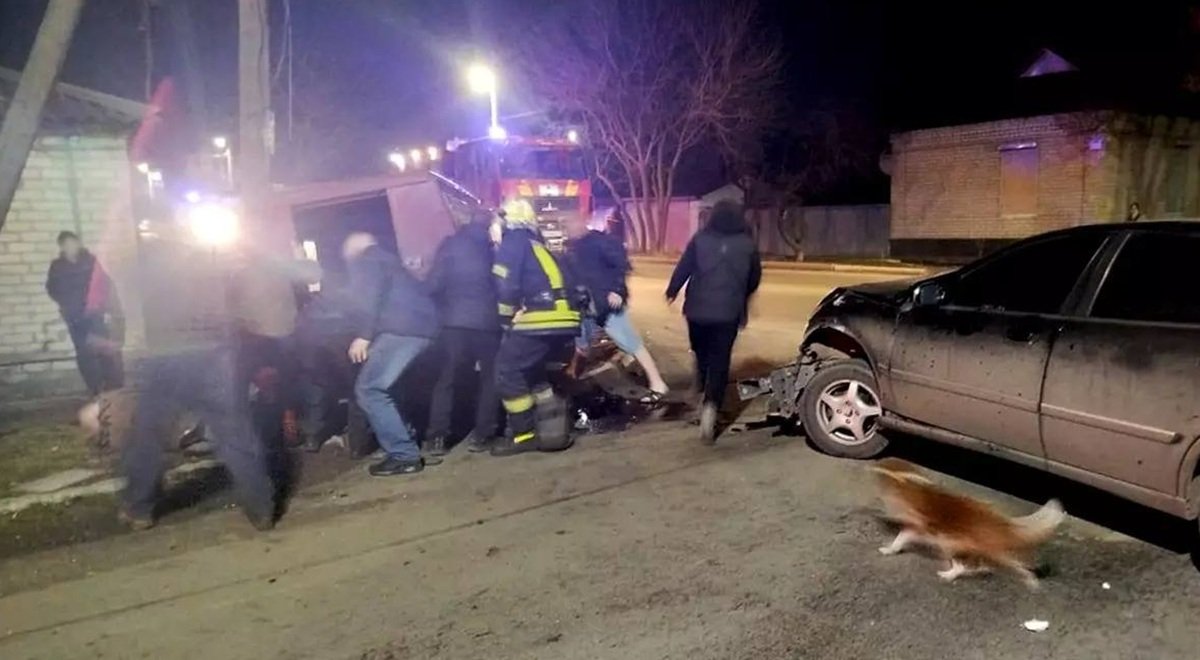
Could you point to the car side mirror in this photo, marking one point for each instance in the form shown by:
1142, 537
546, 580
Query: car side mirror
929, 294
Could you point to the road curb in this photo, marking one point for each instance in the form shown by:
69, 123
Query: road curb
814, 266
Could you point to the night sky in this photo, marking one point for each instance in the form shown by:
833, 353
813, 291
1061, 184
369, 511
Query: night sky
389, 72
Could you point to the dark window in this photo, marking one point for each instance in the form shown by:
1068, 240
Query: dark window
1032, 277
521, 163
1018, 181
1153, 279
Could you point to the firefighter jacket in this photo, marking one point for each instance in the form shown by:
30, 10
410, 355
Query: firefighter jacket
534, 295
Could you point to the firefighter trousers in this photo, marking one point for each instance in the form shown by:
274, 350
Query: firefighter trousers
521, 376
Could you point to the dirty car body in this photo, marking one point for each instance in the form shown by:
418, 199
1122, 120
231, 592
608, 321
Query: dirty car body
1076, 352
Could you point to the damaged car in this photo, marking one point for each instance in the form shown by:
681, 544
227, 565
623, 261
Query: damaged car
1076, 352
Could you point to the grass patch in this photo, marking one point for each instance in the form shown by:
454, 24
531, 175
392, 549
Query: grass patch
32, 450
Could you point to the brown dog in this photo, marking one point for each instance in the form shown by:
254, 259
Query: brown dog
969, 533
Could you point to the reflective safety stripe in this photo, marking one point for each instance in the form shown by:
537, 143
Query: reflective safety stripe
506, 310
519, 404
523, 437
549, 266
544, 394
555, 325
538, 317
500, 270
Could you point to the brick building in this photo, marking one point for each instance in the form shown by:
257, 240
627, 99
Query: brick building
77, 178
1059, 147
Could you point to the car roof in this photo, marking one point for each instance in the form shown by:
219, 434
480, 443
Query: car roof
1170, 226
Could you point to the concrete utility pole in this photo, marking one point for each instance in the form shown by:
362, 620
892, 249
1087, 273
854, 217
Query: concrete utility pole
254, 100
25, 111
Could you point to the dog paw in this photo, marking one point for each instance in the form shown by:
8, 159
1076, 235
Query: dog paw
949, 575
888, 550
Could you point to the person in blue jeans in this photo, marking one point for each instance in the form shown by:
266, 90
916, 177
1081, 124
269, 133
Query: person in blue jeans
394, 321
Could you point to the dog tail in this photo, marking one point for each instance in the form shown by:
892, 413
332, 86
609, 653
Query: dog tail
1040, 525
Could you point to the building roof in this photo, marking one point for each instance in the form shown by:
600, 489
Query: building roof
78, 110
1060, 80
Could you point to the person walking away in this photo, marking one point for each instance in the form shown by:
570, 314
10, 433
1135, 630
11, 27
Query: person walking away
191, 366
1135, 212
539, 310
394, 321
464, 290
88, 303
602, 265
722, 269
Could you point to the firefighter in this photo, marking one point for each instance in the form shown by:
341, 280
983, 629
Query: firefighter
541, 315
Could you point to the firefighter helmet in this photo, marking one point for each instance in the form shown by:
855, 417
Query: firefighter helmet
518, 213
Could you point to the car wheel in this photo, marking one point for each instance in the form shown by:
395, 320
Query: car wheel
841, 410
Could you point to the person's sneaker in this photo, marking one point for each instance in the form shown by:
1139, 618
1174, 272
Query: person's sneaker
392, 466
135, 522
436, 446
708, 424
509, 447
477, 444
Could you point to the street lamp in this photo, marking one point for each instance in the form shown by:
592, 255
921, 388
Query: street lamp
483, 81
221, 144
573, 136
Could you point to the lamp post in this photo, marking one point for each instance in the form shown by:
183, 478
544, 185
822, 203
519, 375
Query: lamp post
221, 144
483, 81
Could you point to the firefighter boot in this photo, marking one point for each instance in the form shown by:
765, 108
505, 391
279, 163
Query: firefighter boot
553, 421
512, 444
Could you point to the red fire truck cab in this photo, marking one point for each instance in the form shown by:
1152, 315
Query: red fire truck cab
549, 173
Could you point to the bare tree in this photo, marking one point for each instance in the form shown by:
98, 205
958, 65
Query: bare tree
651, 81
816, 150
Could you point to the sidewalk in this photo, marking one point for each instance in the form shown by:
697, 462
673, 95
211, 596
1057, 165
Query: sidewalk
882, 267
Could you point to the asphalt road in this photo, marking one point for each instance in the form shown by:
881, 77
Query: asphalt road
640, 544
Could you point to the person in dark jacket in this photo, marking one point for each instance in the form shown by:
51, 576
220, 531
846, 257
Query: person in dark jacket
394, 321
722, 269
326, 376
602, 264
89, 306
464, 290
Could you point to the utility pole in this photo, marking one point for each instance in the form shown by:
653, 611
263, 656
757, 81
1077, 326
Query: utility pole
254, 100
25, 111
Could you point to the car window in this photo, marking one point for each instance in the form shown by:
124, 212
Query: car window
1035, 277
1153, 279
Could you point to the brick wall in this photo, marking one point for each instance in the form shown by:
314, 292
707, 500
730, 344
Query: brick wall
79, 184
946, 181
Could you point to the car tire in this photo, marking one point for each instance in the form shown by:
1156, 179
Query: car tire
841, 410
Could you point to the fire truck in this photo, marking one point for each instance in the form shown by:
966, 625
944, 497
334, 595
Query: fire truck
549, 173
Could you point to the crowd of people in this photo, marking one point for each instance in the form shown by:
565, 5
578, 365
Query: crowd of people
497, 315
